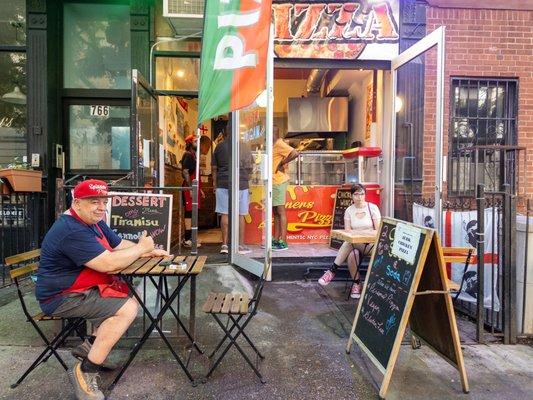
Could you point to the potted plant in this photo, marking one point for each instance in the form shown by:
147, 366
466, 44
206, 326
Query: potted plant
19, 177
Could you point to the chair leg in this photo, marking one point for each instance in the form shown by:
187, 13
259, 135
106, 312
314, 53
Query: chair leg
50, 349
67, 329
233, 342
247, 339
225, 337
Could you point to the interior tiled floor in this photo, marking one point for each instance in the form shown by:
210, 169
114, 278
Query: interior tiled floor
213, 236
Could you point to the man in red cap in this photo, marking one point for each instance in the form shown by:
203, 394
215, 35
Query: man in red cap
188, 171
77, 255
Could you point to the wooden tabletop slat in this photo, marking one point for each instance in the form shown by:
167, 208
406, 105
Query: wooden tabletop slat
198, 265
208, 305
152, 262
150, 266
355, 236
134, 266
159, 268
244, 303
455, 259
236, 305
190, 262
217, 306
457, 250
228, 301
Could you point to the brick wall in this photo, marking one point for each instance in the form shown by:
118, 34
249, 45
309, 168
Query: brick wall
482, 43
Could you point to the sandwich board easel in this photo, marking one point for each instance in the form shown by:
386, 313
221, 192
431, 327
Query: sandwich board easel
406, 283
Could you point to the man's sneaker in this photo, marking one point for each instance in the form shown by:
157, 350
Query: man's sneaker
224, 249
243, 249
281, 245
356, 291
81, 351
85, 384
188, 243
326, 278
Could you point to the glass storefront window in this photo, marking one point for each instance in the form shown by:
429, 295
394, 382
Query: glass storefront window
178, 74
13, 23
99, 137
12, 107
97, 46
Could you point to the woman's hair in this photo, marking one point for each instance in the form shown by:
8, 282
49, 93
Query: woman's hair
357, 187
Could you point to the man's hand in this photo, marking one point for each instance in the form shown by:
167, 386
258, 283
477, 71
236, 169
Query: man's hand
281, 167
146, 243
156, 253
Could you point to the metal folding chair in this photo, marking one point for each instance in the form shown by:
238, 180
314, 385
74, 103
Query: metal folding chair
23, 277
239, 310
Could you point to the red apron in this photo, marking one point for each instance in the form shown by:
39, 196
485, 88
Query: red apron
187, 195
108, 285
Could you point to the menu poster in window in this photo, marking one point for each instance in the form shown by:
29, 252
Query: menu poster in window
343, 200
129, 214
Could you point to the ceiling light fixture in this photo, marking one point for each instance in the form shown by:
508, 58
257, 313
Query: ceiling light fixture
15, 97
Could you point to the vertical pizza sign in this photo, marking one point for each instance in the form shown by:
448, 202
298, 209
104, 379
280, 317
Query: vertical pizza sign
345, 30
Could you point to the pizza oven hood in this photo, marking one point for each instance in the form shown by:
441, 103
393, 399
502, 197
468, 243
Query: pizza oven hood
315, 114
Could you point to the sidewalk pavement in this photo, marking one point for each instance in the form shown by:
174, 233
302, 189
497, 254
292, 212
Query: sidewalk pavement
301, 328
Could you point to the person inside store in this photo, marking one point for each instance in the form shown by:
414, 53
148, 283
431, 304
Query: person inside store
360, 215
282, 154
188, 172
73, 280
221, 178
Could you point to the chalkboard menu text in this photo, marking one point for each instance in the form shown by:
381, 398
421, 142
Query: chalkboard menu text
129, 214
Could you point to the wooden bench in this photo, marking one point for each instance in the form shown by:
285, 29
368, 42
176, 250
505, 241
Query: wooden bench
461, 255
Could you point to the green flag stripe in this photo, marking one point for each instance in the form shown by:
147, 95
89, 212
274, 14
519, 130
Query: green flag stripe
215, 86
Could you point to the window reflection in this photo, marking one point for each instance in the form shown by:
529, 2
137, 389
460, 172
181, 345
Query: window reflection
12, 107
99, 141
97, 50
13, 23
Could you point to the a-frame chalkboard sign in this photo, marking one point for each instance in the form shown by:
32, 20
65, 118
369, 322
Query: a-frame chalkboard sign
343, 200
406, 283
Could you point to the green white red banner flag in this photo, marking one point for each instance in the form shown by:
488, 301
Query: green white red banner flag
234, 55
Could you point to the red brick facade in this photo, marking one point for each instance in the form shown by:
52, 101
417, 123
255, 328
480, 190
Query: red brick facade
483, 44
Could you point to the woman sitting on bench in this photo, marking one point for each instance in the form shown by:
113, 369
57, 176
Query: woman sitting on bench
361, 215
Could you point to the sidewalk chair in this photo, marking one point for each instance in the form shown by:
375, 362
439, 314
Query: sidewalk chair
23, 277
458, 255
239, 310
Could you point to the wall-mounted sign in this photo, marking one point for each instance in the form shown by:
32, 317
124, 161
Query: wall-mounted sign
345, 30
99, 111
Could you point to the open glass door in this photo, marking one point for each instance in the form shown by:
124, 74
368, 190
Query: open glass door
144, 115
251, 224
417, 130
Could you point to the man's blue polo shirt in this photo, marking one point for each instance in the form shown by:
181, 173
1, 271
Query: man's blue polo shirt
67, 246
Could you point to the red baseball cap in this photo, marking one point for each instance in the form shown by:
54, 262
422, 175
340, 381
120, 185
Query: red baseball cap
190, 138
90, 188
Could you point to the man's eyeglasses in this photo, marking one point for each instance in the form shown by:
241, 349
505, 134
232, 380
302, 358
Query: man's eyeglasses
358, 194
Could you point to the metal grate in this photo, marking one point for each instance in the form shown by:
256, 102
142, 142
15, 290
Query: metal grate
482, 115
183, 8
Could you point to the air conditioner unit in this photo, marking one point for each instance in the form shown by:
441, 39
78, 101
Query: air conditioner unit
185, 16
